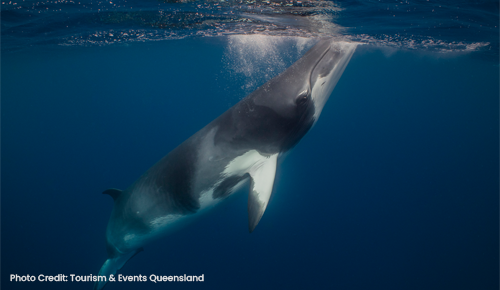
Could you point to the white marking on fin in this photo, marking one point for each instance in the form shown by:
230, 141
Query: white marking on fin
261, 187
262, 170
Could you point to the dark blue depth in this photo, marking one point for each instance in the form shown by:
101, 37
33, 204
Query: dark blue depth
396, 187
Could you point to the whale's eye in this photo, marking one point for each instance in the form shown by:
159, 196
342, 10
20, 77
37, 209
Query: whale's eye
303, 98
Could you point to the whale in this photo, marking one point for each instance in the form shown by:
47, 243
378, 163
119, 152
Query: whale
242, 147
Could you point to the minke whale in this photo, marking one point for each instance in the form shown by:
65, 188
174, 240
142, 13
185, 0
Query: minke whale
243, 144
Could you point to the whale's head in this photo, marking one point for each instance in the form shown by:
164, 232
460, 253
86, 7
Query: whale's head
279, 113
331, 60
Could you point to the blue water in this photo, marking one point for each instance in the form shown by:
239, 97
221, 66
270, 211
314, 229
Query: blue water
396, 187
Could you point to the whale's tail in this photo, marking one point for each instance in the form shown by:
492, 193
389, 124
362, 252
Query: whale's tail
111, 266
116, 259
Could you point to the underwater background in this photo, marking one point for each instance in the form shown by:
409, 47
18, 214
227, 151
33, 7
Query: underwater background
396, 186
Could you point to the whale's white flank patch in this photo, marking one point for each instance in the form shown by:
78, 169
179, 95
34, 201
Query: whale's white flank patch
261, 168
206, 198
243, 164
246, 163
128, 237
163, 221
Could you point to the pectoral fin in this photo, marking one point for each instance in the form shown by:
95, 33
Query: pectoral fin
261, 186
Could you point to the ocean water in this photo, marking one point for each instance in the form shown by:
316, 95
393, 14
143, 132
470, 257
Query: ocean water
396, 186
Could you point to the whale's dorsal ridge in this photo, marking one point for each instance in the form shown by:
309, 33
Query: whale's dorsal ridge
113, 192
